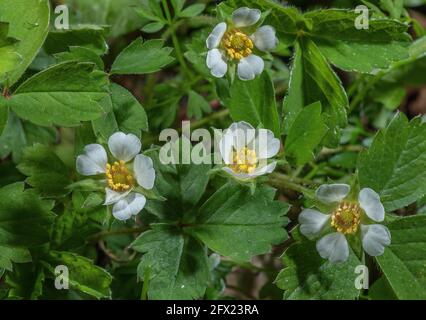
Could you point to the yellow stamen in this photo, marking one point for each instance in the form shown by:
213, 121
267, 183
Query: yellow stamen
237, 44
244, 161
346, 217
118, 176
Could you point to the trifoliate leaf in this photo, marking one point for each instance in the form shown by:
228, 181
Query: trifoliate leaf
312, 79
305, 134
175, 265
238, 224
45, 170
394, 165
29, 22
254, 101
25, 219
404, 262
308, 276
142, 58
64, 94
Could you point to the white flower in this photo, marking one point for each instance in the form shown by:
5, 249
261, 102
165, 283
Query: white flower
121, 177
232, 44
347, 218
245, 151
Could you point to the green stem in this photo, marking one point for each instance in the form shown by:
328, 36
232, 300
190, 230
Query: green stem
282, 181
175, 40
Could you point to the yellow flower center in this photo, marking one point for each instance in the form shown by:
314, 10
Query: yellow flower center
244, 161
237, 44
118, 176
346, 217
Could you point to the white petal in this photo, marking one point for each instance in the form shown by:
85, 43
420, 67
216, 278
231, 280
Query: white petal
264, 38
144, 171
215, 36
244, 17
250, 67
375, 237
243, 134
216, 63
124, 146
129, 206
239, 176
112, 196
329, 193
369, 200
226, 145
312, 222
265, 144
333, 247
263, 170
93, 162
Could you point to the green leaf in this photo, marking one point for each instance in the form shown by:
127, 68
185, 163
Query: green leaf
64, 94
29, 23
9, 255
24, 218
197, 105
364, 50
404, 262
153, 27
155, 57
151, 11
308, 276
9, 58
45, 170
305, 134
192, 10
177, 265
18, 134
4, 113
120, 15
394, 165
183, 185
83, 275
239, 225
254, 102
26, 281
89, 37
126, 114
312, 79
80, 54
381, 290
